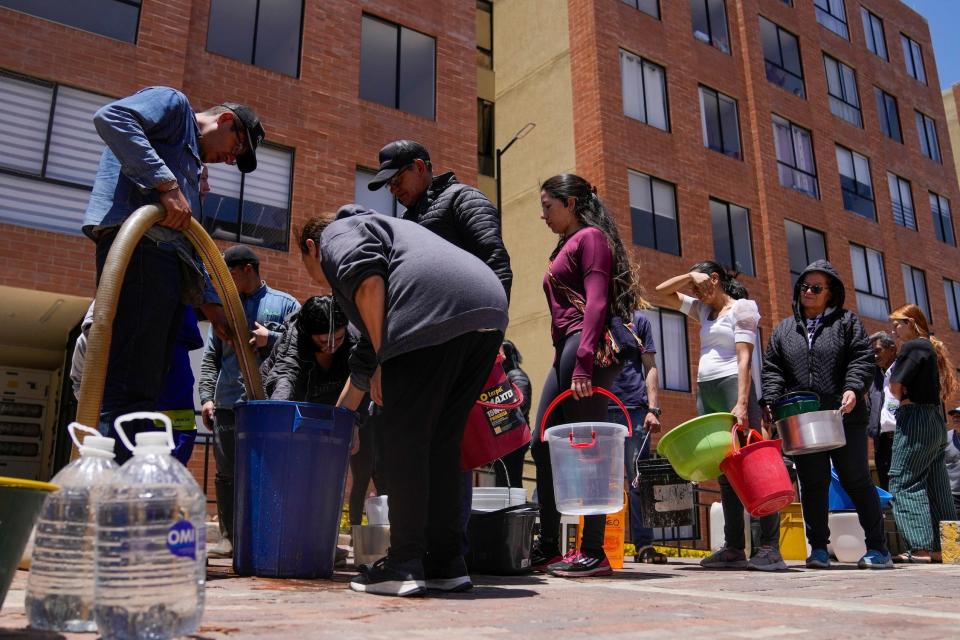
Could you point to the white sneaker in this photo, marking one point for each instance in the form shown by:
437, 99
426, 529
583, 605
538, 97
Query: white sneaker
223, 549
767, 559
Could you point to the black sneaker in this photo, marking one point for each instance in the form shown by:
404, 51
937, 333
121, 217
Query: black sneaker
581, 565
389, 578
542, 555
450, 576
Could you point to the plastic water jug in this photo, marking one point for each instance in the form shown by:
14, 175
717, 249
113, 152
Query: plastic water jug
151, 543
60, 582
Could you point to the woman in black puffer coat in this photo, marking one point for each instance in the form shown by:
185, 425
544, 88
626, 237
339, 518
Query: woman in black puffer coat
824, 348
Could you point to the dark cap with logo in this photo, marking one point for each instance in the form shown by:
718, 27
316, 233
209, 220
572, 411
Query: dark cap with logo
394, 157
954, 411
240, 254
247, 161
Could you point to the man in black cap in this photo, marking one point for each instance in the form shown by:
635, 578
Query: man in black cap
952, 455
155, 149
458, 213
220, 384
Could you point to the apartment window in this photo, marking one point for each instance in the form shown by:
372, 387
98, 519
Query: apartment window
869, 282
842, 91
889, 115
832, 15
381, 200
397, 67
650, 7
485, 139
927, 133
264, 33
855, 183
913, 59
710, 23
951, 290
901, 199
485, 34
670, 333
253, 208
718, 117
781, 55
942, 220
805, 245
653, 213
795, 163
117, 19
915, 287
644, 90
873, 33
732, 245
50, 153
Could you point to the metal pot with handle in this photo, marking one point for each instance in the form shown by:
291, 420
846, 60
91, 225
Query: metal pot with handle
812, 432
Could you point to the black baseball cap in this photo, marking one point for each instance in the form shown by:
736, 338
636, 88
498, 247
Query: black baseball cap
394, 157
953, 411
247, 162
240, 254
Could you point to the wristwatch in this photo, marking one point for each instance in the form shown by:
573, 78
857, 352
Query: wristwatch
657, 411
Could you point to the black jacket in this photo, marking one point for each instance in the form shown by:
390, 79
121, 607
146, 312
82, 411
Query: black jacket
463, 216
521, 380
839, 360
291, 372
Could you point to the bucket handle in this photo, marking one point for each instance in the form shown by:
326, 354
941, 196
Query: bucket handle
143, 415
72, 430
569, 392
584, 445
750, 434
517, 393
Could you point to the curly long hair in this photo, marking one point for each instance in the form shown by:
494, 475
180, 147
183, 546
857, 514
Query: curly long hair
914, 315
626, 293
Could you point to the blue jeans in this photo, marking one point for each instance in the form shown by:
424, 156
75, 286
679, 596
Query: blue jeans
145, 329
635, 445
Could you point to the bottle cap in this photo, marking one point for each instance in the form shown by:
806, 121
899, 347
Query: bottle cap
153, 439
98, 446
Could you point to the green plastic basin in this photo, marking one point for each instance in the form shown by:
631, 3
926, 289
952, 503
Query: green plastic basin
696, 447
20, 503
795, 409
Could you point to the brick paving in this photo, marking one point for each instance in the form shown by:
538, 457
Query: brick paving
642, 601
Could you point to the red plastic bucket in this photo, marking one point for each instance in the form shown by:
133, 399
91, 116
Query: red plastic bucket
757, 474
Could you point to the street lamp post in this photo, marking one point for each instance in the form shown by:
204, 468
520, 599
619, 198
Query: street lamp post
527, 128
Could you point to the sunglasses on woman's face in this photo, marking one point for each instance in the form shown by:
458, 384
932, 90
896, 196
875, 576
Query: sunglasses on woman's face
815, 289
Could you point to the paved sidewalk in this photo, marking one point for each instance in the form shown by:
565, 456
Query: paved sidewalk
679, 600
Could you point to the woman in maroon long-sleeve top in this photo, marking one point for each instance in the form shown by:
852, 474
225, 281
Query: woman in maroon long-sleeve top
588, 280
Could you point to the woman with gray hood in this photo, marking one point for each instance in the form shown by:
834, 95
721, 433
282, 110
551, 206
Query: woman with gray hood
824, 348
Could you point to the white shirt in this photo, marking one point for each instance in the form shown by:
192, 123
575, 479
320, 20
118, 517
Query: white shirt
888, 412
719, 337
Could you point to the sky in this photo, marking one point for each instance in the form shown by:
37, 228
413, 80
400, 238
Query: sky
943, 16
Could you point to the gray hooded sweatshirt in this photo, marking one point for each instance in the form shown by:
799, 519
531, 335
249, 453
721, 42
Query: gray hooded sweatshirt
435, 291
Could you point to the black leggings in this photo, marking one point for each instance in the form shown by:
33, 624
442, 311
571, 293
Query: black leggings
594, 408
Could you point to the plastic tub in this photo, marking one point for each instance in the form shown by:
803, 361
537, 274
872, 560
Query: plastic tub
587, 461
20, 504
501, 541
291, 469
697, 447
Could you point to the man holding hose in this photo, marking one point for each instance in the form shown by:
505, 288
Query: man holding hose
156, 145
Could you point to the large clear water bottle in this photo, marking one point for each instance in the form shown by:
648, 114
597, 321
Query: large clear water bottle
151, 543
60, 582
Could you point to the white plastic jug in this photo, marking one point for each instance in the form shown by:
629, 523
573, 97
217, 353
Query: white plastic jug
378, 511
846, 536
587, 461
151, 542
60, 582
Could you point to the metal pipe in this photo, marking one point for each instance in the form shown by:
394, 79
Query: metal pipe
108, 296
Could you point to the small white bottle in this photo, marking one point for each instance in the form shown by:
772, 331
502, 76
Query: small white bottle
151, 543
60, 583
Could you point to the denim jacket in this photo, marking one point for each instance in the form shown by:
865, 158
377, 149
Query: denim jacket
220, 378
151, 137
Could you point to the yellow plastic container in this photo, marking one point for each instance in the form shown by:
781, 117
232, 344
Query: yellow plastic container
950, 541
613, 536
793, 537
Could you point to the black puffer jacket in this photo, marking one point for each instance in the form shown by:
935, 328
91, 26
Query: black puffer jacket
463, 216
839, 360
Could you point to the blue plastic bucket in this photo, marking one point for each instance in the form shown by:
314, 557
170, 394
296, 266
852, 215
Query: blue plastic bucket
289, 478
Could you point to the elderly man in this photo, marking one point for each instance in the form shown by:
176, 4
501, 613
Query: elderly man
952, 456
155, 147
883, 405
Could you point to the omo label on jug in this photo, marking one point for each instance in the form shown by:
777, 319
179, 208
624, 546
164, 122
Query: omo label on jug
182, 539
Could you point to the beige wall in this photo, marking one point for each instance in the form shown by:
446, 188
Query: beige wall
950, 97
532, 59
